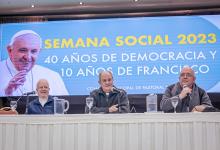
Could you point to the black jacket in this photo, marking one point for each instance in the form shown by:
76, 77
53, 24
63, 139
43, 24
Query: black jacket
102, 102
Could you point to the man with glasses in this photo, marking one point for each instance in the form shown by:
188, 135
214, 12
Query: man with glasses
190, 97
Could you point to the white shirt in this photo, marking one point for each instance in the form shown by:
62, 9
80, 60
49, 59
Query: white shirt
7, 70
42, 101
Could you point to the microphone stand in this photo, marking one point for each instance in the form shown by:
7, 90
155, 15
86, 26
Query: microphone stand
118, 97
19, 98
119, 103
188, 101
119, 106
27, 102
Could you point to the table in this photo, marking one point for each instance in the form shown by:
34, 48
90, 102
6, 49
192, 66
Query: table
146, 131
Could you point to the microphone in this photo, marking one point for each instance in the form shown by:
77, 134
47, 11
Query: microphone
184, 86
29, 93
24, 94
188, 98
107, 95
116, 89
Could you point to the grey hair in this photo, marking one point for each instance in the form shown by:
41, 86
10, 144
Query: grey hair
106, 71
188, 67
41, 80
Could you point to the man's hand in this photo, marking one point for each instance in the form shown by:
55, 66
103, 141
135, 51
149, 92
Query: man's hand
198, 108
184, 92
113, 108
15, 82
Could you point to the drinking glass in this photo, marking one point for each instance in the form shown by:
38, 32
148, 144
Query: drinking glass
13, 105
174, 101
89, 103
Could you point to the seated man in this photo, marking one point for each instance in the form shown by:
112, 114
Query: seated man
44, 104
190, 96
109, 99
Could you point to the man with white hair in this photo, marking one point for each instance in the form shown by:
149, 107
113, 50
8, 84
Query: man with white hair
190, 97
19, 73
44, 103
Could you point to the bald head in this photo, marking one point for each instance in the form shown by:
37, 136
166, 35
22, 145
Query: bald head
188, 69
42, 81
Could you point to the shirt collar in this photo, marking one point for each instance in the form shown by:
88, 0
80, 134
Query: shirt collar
43, 101
100, 91
49, 99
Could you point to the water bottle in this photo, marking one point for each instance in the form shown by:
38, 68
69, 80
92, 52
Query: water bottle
151, 103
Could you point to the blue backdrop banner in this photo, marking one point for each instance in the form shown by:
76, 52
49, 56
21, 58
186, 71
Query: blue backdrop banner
145, 54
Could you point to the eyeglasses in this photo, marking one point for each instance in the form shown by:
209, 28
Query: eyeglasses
186, 75
107, 80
